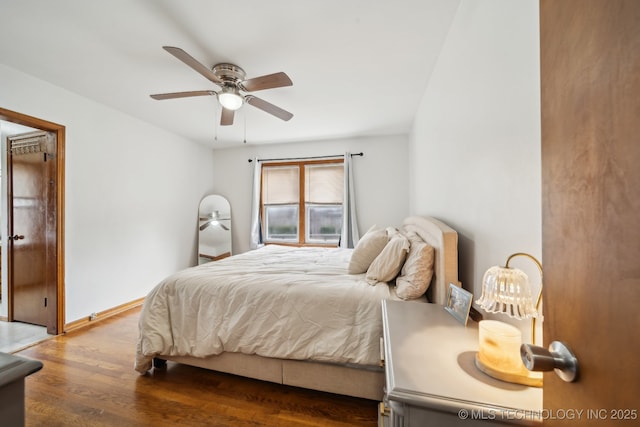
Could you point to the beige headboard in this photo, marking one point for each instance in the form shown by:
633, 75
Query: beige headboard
445, 241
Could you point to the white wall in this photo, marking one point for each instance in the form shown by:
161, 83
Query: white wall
475, 144
132, 195
381, 178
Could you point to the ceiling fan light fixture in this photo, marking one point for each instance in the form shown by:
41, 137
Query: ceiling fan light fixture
230, 99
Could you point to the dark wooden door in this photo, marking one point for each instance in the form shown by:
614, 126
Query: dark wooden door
32, 213
590, 80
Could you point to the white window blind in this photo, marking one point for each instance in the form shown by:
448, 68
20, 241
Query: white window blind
280, 185
324, 184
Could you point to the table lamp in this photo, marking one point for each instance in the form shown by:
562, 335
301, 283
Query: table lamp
506, 290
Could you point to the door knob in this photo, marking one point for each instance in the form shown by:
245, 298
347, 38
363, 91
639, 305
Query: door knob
16, 237
558, 358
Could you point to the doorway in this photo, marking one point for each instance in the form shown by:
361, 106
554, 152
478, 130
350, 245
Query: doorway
50, 257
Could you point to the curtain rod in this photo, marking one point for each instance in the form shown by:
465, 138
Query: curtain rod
307, 158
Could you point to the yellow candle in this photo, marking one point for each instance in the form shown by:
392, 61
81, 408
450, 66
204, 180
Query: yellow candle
500, 346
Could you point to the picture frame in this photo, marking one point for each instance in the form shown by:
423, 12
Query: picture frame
458, 303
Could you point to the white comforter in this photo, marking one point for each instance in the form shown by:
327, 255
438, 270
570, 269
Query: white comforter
290, 303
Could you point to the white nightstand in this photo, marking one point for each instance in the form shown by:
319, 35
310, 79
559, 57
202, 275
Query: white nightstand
431, 378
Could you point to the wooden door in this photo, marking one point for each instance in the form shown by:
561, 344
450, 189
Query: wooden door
590, 80
31, 201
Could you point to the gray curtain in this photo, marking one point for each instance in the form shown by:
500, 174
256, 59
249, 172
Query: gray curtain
256, 223
350, 236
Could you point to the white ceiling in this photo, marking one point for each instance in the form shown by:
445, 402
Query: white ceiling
359, 67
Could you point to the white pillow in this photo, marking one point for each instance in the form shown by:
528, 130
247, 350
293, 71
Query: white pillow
417, 271
387, 265
368, 248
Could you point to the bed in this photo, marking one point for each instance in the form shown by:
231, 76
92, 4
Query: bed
305, 317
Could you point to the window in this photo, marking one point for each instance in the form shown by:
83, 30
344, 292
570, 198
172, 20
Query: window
302, 202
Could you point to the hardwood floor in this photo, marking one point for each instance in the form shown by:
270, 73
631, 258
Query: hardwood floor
88, 380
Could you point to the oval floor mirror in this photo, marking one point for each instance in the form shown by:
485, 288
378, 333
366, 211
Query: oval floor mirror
214, 236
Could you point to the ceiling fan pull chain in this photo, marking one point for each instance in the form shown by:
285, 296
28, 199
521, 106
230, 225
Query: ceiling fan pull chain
215, 125
245, 126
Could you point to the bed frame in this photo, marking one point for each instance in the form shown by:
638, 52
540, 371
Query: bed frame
358, 381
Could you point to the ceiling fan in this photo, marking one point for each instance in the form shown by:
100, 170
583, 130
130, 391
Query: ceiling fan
231, 80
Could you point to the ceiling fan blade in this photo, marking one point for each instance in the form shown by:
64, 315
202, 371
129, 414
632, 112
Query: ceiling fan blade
173, 95
193, 63
269, 81
268, 107
205, 225
226, 118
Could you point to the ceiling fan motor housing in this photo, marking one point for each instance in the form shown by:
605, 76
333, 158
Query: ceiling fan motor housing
229, 73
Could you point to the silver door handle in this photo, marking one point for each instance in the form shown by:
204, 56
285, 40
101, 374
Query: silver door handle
558, 358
